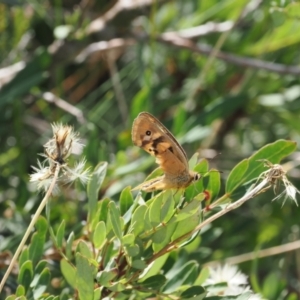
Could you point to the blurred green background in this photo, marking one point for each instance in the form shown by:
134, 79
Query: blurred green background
97, 64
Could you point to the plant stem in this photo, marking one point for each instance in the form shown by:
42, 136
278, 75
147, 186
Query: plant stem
250, 194
30, 227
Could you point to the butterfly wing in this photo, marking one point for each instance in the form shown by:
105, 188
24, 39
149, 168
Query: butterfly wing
152, 136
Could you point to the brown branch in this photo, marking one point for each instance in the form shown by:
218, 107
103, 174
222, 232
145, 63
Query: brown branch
202, 30
173, 39
231, 58
258, 254
103, 46
50, 97
120, 15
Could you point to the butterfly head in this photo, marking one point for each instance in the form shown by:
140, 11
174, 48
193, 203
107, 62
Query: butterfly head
197, 176
194, 177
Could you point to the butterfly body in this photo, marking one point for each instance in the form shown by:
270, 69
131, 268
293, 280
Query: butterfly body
152, 136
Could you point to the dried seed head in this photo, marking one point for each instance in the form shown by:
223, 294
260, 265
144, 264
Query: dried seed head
64, 142
276, 175
57, 150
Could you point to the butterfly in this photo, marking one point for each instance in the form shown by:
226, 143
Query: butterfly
151, 135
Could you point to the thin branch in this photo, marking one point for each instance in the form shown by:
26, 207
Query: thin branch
103, 46
120, 15
30, 227
171, 38
258, 254
174, 244
231, 58
8, 73
202, 30
69, 108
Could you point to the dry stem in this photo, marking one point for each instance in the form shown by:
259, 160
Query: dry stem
30, 227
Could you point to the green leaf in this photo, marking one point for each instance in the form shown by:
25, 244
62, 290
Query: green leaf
179, 119
155, 267
36, 247
132, 250
293, 10
128, 239
60, 234
69, 245
193, 160
147, 223
153, 283
189, 210
84, 249
236, 175
154, 210
183, 227
167, 209
115, 219
105, 277
24, 256
42, 264
42, 283
271, 286
139, 264
273, 152
93, 188
160, 235
84, 277
103, 209
204, 274
137, 221
279, 38
99, 234
69, 272
202, 167
140, 101
214, 184
126, 200
186, 274
117, 287
194, 292
26, 274
196, 187
97, 293
20, 291
169, 230
14, 297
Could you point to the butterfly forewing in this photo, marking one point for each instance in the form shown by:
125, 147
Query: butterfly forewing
151, 135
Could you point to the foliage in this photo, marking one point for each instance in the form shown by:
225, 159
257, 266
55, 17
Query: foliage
96, 65
125, 250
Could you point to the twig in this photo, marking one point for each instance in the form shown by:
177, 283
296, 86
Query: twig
201, 30
118, 15
69, 108
103, 46
259, 254
8, 73
30, 227
250, 194
231, 58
